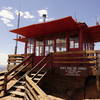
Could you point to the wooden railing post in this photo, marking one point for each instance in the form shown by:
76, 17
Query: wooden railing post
5, 84
32, 60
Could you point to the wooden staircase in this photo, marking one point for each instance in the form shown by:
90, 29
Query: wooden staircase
36, 74
18, 90
2, 74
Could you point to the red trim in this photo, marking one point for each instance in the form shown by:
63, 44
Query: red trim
26, 47
44, 48
81, 40
67, 42
55, 45
34, 46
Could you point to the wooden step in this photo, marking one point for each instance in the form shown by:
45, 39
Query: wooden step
22, 82
2, 73
17, 93
20, 87
1, 78
37, 75
36, 79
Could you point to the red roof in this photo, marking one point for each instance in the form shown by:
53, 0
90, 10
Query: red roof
67, 24
48, 28
94, 32
21, 39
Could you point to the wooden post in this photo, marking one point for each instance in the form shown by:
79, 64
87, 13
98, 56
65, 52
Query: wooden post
55, 45
32, 60
67, 42
5, 84
26, 47
34, 47
44, 48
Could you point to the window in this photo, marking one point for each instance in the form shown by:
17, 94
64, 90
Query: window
74, 43
39, 48
30, 46
61, 44
49, 46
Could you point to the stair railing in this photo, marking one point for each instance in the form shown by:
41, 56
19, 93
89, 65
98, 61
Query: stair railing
2, 74
33, 91
40, 64
16, 70
41, 69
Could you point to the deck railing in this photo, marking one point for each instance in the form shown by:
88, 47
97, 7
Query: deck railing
83, 59
2, 75
14, 60
10, 75
91, 57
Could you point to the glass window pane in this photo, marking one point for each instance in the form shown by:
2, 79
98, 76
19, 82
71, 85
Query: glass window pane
74, 42
30, 46
39, 48
71, 44
49, 46
60, 44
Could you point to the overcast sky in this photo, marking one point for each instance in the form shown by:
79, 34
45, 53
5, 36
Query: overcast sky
31, 10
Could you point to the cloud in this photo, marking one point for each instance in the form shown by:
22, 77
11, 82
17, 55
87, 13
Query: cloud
7, 22
26, 14
8, 8
42, 11
6, 16
47, 19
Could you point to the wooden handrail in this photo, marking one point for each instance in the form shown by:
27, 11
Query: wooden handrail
2, 74
83, 57
77, 52
40, 70
31, 88
30, 83
18, 55
76, 62
41, 61
20, 64
26, 61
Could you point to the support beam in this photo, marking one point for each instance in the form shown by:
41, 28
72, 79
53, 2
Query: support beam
34, 46
67, 42
26, 43
81, 39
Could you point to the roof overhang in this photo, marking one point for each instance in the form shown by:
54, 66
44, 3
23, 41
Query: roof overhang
48, 28
94, 32
54, 28
22, 39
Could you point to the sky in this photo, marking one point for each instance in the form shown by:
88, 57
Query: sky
87, 11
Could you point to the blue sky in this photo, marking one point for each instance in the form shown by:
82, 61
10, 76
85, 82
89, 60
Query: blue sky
84, 10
